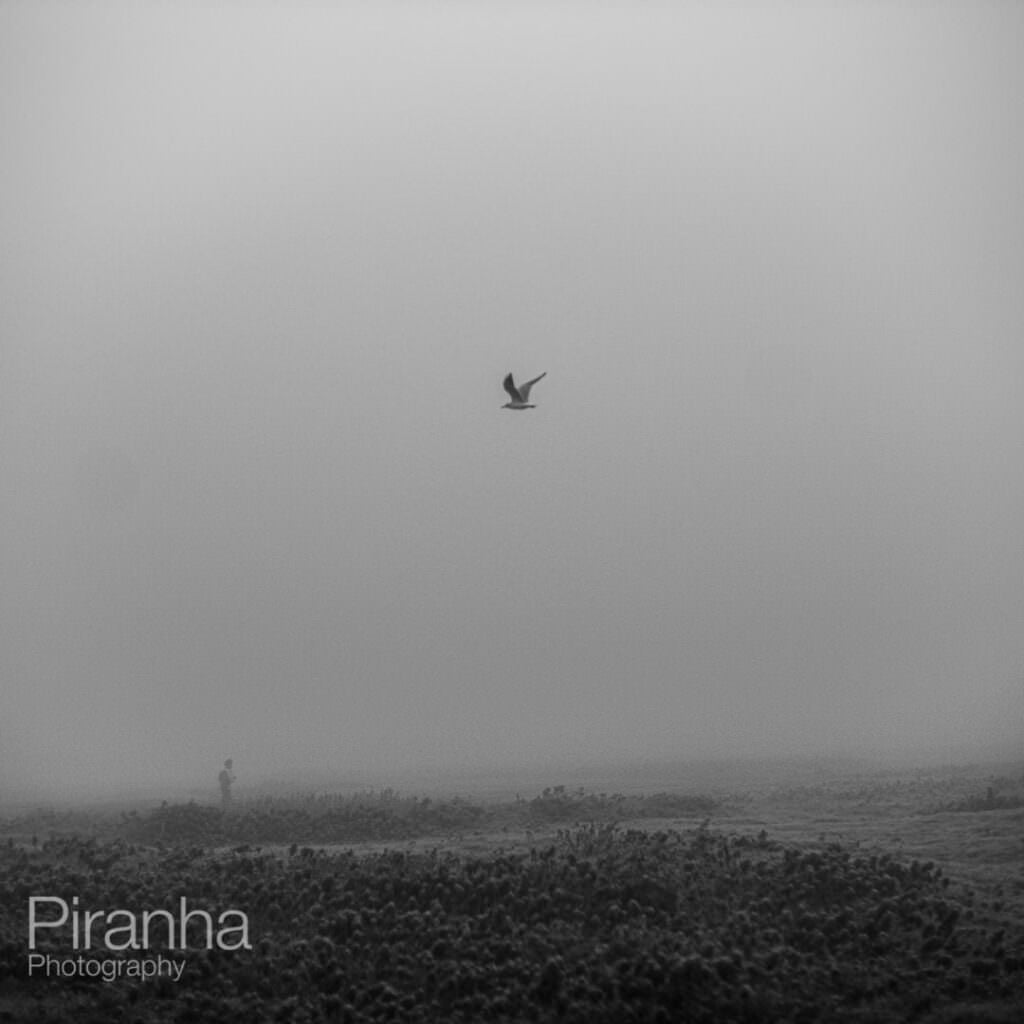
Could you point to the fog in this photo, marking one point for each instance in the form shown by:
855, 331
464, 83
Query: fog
265, 266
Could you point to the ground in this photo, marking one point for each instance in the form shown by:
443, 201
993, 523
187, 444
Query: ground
798, 892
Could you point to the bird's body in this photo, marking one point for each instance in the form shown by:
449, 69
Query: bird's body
520, 396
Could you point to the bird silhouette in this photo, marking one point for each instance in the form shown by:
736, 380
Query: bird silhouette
520, 395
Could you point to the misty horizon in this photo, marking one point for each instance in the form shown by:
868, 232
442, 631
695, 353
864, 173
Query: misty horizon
265, 269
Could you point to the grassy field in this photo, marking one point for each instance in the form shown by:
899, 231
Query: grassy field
750, 892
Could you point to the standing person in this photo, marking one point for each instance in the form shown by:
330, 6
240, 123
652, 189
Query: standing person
226, 778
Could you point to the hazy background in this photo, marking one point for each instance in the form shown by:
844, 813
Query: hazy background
264, 266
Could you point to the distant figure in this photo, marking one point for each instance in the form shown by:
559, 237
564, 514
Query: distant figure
226, 778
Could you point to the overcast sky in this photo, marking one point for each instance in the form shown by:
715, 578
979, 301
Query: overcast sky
264, 267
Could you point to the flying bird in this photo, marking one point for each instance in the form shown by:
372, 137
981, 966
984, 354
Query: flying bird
520, 395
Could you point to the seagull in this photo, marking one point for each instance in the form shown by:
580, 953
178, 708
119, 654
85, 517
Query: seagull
520, 395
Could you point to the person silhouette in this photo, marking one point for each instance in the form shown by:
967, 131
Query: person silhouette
226, 778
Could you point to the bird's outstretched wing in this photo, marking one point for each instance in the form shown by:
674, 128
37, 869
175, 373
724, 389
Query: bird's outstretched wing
524, 389
513, 392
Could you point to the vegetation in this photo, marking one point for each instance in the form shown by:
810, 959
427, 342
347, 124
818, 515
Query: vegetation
602, 924
1002, 795
387, 815
568, 915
